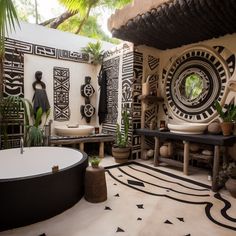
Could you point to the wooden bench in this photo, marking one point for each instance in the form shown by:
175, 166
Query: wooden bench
95, 138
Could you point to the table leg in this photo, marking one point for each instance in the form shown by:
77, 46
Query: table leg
81, 147
101, 150
186, 157
156, 151
216, 163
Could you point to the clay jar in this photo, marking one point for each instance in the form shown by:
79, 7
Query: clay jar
166, 150
214, 128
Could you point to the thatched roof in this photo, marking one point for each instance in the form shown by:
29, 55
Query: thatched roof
169, 24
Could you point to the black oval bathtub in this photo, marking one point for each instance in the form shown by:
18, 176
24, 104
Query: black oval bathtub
30, 192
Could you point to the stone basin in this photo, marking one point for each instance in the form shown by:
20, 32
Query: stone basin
67, 130
187, 128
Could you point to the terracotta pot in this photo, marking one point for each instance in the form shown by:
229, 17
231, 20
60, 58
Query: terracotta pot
227, 128
231, 186
121, 155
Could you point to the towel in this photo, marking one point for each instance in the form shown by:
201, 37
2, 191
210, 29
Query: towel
40, 99
102, 107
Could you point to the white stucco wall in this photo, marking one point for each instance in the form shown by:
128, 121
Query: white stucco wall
40, 35
167, 55
78, 71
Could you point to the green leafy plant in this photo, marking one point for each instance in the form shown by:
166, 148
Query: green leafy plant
9, 113
94, 160
228, 171
122, 135
227, 114
95, 50
35, 131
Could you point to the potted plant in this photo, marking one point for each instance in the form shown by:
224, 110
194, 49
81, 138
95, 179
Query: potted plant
228, 116
227, 176
94, 161
121, 150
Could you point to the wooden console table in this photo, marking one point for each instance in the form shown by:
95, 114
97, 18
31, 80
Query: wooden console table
215, 140
95, 138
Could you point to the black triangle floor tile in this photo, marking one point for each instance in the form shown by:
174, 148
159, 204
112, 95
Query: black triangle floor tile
180, 219
168, 222
107, 208
119, 230
140, 206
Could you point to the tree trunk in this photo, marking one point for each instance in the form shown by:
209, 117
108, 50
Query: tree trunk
84, 20
60, 19
36, 12
47, 22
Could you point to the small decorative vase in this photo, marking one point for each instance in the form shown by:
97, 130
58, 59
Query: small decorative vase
227, 128
214, 127
231, 186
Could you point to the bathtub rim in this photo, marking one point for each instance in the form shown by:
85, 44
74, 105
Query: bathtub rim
83, 159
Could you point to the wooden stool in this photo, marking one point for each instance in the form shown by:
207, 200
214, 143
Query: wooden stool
95, 185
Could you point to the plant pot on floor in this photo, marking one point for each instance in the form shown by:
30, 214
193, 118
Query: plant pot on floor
227, 128
121, 155
231, 186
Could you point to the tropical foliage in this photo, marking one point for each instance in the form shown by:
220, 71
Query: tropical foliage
193, 86
95, 50
94, 160
227, 113
8, 18
9, 111
84, 8
34, 132
122, 135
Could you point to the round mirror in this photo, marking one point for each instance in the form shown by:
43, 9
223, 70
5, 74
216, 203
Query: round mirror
192, 87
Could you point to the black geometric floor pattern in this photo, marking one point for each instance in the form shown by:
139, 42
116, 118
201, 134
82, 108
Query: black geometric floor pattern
138, 184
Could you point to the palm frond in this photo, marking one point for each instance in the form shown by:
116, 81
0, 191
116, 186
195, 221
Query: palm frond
8, 18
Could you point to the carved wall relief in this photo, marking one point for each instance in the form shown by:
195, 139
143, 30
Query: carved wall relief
195, 80
87, 91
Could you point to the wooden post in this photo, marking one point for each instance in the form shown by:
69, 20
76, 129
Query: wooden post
101, 150
216, 163
81, 147
156, 151
186, 157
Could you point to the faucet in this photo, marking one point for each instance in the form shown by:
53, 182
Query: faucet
21, 145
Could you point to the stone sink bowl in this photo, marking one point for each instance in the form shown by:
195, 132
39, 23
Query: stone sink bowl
74, 130
187, 128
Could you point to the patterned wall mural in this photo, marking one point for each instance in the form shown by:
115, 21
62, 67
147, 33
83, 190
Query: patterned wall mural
212, 71
111, 67
14, 74
136, 110
61, 87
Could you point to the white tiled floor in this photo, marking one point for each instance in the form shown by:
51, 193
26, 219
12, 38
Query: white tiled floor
66, 224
